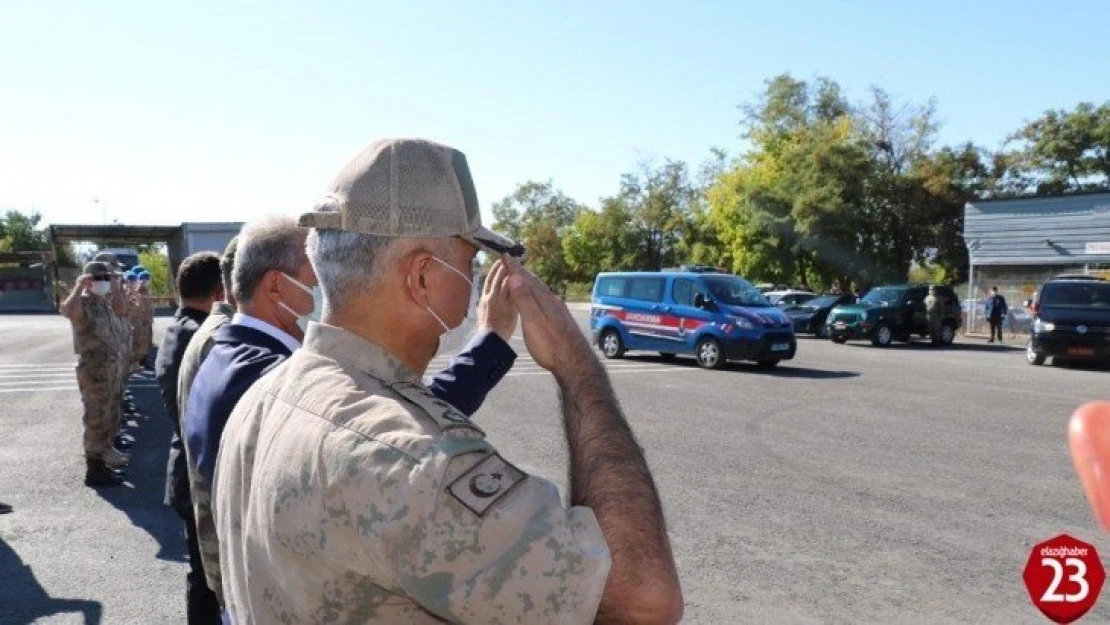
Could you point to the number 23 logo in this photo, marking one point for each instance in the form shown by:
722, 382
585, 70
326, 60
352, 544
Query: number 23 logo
1079, 577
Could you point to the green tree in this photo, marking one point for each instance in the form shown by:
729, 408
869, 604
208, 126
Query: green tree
539, 215
20, 232
157, 264
601, 241
659, 201
835, 193
1064, 151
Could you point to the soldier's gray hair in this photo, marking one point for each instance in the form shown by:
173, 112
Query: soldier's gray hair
270, 244
350, 262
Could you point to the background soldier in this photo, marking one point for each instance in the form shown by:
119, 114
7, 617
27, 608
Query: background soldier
122, 307
144, 321
934, 314
96, 337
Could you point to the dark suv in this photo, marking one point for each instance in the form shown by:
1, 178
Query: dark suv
1072, 320
893, 313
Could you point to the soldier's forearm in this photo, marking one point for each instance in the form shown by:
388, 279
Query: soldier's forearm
609, 475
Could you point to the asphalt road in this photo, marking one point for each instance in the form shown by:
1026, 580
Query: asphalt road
853, 484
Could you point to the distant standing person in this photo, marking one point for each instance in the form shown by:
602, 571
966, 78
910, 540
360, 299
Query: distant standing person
934, 314
996, 312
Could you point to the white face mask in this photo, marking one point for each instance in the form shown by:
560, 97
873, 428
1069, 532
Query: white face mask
454, 338
303, 318
101, 288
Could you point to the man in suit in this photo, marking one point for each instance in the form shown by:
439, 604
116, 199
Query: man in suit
199, 285
273, 286
996, 311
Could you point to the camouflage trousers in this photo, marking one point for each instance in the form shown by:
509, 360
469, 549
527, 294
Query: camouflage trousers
98, 380
141, 338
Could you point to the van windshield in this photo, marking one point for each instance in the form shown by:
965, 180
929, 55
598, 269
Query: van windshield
735, 291
1092, 294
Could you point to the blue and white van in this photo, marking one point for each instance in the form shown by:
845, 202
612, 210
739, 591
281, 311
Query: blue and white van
714, 317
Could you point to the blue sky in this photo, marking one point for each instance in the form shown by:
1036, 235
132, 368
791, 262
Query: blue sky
170, 112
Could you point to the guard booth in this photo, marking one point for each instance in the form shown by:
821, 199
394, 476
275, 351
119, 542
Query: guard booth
180, 242
27, 282
1017, 244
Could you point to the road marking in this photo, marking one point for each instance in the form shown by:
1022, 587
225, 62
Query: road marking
37, 377
41, 389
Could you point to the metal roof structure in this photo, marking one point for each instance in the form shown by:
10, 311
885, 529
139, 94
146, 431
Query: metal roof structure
1052, 230
63, 233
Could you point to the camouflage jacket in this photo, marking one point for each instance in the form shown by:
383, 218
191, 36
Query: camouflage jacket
346, 492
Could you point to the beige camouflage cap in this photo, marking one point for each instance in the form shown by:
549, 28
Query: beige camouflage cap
408, 188
109, 259
96, 268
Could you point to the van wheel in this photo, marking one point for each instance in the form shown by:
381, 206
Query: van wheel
708, 353
1032, 356
611, 344
882, 336
667, 355
840, 339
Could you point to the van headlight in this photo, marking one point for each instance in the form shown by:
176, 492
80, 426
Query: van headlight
743, 323
1041, 326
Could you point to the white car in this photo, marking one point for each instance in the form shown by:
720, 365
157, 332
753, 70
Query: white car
789, 299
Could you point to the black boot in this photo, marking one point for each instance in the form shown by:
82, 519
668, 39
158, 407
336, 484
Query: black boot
98, 474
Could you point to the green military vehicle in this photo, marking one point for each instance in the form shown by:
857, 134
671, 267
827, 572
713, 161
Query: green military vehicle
893, 313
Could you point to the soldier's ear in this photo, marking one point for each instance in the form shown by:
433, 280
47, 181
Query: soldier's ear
415, 283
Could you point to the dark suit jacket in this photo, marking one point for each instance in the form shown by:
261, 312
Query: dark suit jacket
242, 355
185, 324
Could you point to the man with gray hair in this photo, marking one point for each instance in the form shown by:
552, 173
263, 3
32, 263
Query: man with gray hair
347, 491
273, 285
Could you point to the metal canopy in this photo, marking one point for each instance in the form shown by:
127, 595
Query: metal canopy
63, 233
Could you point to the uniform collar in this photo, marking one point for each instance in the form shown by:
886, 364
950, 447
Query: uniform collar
350, 348
192, 313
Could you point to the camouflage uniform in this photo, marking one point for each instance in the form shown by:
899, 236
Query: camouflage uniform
195, 353
346, 492
934, 315
123, 346
144, 328
96, 337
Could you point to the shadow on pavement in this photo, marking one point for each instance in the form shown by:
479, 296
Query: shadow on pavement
141, 499
783, 370
24, 600
958, 346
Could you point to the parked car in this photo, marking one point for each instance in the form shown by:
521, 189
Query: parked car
1071, 321
714, 317
789, 297
893, 313
810, 317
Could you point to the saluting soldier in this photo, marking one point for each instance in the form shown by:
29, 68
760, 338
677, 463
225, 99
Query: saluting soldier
96, 328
